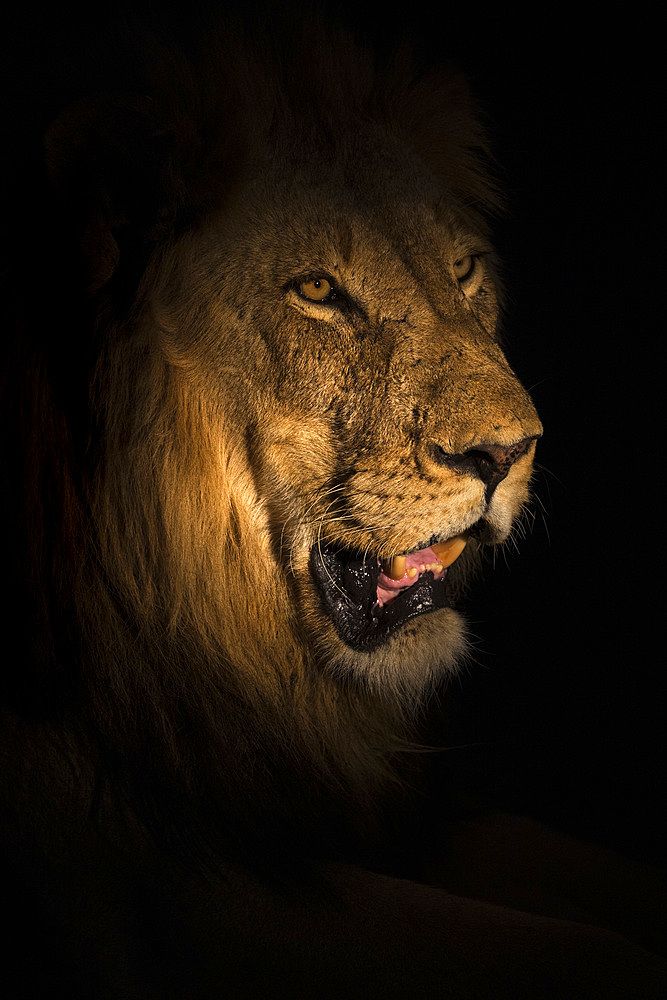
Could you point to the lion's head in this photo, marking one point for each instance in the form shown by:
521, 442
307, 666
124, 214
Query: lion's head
272, 422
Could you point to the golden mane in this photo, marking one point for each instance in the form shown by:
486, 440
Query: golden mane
148, 627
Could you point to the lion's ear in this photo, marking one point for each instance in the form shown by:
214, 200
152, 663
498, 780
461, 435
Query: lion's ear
110, 163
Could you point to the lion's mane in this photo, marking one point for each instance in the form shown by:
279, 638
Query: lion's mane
159, 663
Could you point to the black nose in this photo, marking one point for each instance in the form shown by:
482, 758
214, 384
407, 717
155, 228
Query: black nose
489, 462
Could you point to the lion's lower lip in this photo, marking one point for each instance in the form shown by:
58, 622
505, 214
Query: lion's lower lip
348, 586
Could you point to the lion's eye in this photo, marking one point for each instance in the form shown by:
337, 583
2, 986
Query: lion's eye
316, 289
464, 267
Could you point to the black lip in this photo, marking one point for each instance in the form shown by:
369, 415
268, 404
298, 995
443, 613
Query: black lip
347, 583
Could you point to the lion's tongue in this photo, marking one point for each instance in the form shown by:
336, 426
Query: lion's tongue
435, 558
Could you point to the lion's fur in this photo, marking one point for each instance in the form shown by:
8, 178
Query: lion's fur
156, 488
180, 429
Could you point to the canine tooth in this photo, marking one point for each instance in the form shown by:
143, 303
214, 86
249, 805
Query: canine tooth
397, 568
449, 551
394, 568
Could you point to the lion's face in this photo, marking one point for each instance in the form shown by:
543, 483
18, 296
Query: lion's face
339, 316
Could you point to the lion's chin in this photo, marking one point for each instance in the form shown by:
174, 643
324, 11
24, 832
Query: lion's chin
408, 665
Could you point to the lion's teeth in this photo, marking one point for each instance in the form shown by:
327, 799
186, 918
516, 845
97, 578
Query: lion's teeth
449, 551
394, 568
446, 553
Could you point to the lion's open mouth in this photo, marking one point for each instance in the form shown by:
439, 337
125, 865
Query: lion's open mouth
368, 600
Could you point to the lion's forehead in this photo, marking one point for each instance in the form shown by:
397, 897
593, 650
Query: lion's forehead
389, 255
373, 202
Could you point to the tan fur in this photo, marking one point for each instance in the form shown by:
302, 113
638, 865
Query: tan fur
315, 423
194, 426
241, 424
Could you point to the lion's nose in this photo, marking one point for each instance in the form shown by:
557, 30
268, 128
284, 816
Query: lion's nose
490, 462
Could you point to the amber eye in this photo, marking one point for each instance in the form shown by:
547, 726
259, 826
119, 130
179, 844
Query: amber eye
316, 289
464, 267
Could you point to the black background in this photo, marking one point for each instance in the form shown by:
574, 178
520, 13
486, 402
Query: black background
561, 712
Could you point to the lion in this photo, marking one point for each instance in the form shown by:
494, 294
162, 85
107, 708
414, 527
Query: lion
261, 429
